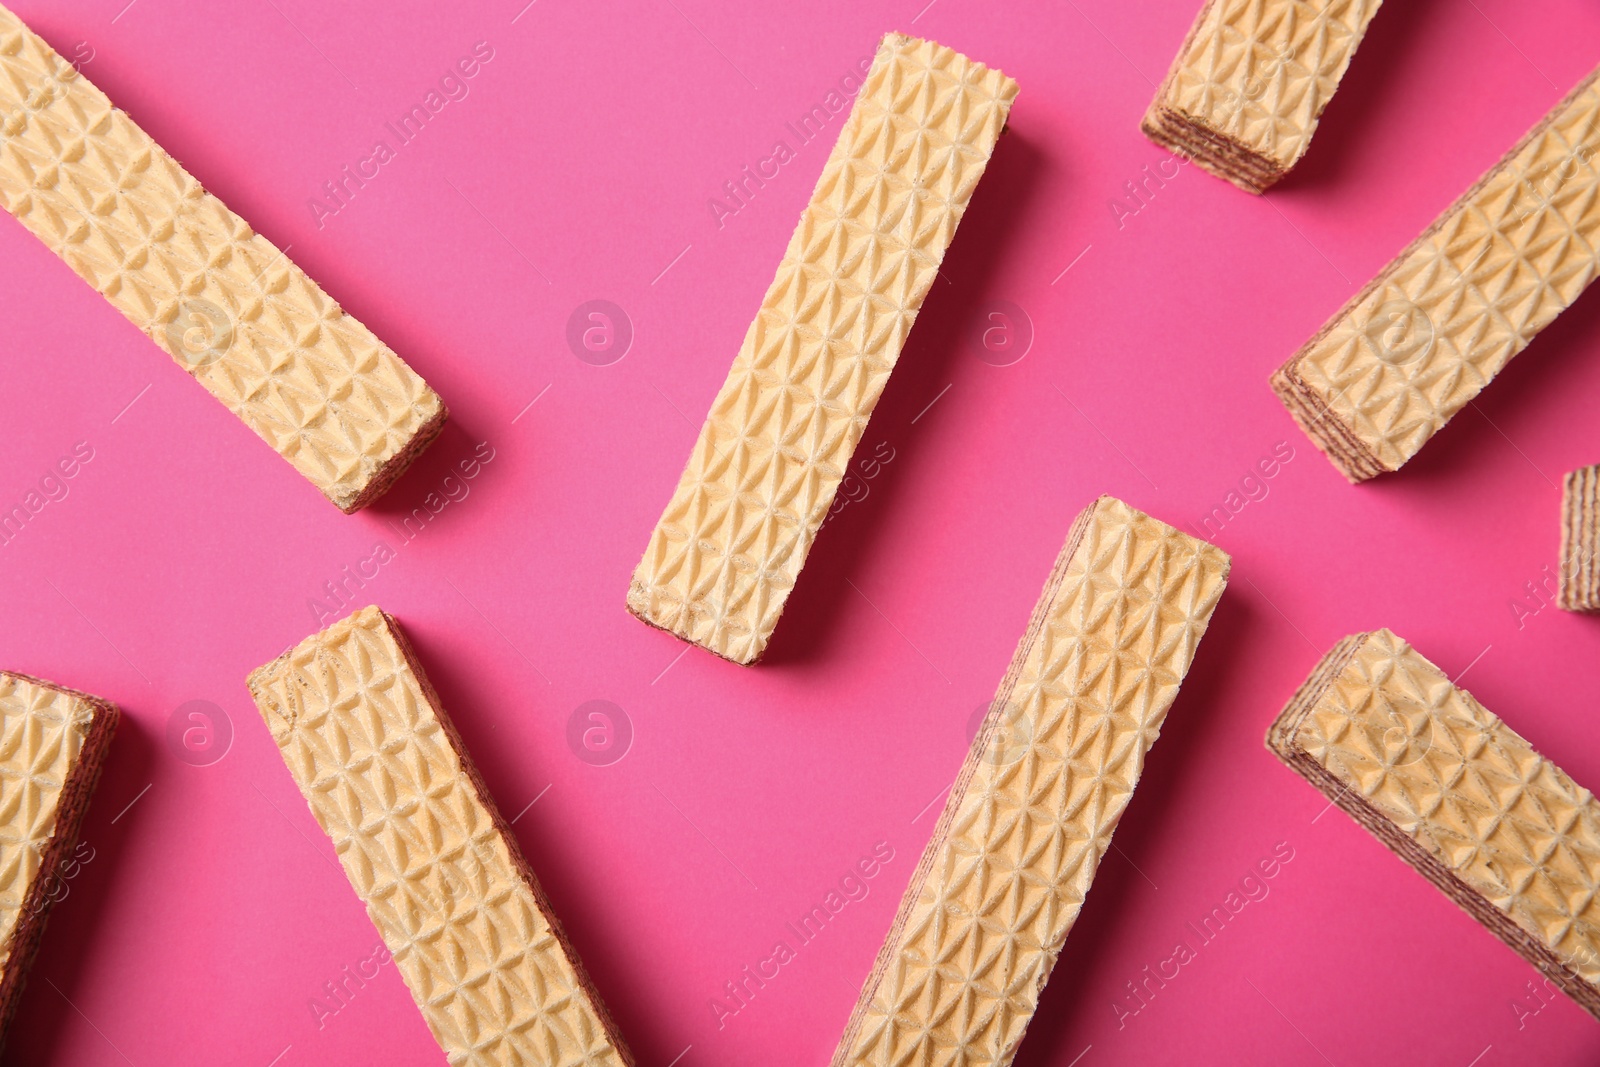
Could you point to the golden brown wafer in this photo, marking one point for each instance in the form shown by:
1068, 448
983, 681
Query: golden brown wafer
1439, 322
53, 743
1457, 794
1580, 540
222, 300
780, 434
1244, 94
438, 869
1043, 786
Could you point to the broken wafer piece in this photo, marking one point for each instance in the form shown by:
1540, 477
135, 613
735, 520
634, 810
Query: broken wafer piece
780, 434
1580, 540
222, 300
1042, 788
1244, 94
53, 743
1459, 796
1438, 323
437, 867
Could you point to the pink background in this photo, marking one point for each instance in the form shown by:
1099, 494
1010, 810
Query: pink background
582, 163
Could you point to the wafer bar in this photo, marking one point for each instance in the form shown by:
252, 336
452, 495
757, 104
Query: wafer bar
1459, 796
1580, 540
1244, 94
1042, 788
53, 743
780, 434
222, 300
1439, 322
441, 875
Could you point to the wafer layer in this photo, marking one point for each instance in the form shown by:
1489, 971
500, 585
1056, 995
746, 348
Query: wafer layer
1244, 94
1459, 795
224, 302
1032, 811
443, 879
781, 431
1439, 322
53, 742
1580, 540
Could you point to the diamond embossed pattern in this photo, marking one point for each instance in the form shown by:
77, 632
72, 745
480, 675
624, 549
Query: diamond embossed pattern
1460, 795
441, 876
1246, 89
42, 732
1042, 789
53, 743
780, 433
1439, 322
263, 338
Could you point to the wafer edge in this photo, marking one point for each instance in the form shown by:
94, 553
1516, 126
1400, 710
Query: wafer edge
71, 806
259, 677
1283, 741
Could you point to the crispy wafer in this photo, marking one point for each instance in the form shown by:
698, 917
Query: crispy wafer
222, 300
1439, 322
1580, 540
437, 867
1244, 94
780, 434
1459, 796
53, 742
1044, 783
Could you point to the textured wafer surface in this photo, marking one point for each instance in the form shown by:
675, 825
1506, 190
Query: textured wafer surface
1246, 89
222, 300
1580, 540
1459, 795
780, 433
1440, 321
52, 744
1041, 791
440, 874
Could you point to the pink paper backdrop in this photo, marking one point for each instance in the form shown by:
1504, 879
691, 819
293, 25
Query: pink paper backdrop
579, 166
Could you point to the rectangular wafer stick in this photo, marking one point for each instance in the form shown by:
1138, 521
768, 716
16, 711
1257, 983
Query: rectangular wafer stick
1043, 786
440, 873
780, 434
1439, 322
1244, 94
53, 743
1579, 589
1459, 796
222, 300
